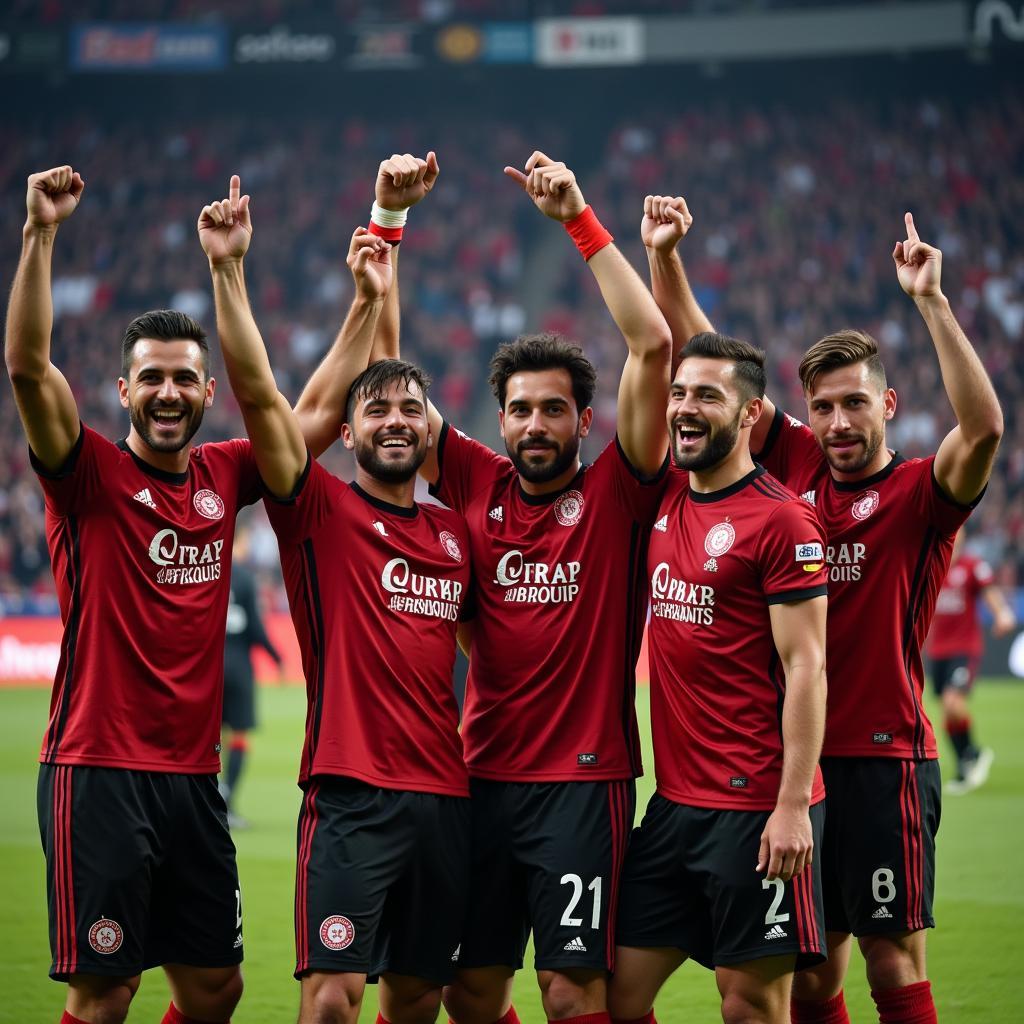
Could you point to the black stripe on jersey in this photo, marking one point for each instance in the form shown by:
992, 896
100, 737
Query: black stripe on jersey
636, 618
773, 435
917, 589
315, 617
778, 681
59, 718
770, 489
432, 489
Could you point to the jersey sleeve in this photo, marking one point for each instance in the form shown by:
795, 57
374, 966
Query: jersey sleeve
640, 494
68, 489
296, 517
931, 501
250, 486
791, 453
465, 467
791, 555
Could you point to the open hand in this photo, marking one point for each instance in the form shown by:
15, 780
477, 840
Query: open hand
225, 228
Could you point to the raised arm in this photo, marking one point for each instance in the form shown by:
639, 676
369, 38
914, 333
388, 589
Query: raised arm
798, 629
964, 460
643, 386
225, 230
45, 403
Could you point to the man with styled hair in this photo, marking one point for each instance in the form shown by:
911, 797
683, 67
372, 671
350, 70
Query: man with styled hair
890, 524
720, 868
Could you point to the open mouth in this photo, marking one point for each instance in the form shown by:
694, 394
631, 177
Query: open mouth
167, 419
399, 441
689, 435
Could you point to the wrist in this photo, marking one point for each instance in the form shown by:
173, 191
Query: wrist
45, 232
225, 264
589, 234
931, 302
798, 801
387, 224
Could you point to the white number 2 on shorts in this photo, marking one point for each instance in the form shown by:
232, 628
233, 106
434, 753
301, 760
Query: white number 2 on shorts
773, 916
577, 892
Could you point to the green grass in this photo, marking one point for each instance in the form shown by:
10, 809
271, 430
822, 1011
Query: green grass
974, 954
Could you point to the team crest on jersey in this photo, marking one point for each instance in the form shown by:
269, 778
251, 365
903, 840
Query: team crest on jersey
209, 504
451, 545
864, 504
569, 508
337, 932
719, 539
105, 936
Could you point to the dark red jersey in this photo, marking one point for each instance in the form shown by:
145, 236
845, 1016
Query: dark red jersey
375, 592
717, 561
142, 563
561, 600
889, 540
956, 630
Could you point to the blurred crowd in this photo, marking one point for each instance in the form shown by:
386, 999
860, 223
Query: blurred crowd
795, 217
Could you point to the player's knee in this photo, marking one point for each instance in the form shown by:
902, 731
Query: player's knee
227, 995
102, 1000
893, 961
331, 999
743, 1007
472, 1000
821, 983
410, 1007
572, 994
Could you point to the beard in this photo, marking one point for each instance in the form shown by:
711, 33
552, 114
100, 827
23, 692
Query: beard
543, 472
854, 463
391, 470
190, 423
718, 444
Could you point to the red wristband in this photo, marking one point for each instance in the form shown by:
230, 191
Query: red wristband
588, 233
392, 235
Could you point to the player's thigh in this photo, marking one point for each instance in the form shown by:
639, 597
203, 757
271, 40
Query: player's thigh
479, 995
408, 1000
497, 919
101, 830
573, 840
197, 904
884, 815
638, 978
353, 842
425, 909
204, 993
819, 983
757, 992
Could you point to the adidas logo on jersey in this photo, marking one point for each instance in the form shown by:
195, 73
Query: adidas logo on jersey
497, 514
662, 524
881, 913
457, 953
575, 945
809, 497
238, 941
379, 527
145, 497
775, 932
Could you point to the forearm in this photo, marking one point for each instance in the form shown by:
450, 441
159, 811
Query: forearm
675, 299
386, 337
30, 310
967, 385
803, 729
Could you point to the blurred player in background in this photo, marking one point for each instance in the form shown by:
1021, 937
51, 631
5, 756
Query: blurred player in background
558, 560
889, 524
955, 645
245, 630
140, 864
376, 584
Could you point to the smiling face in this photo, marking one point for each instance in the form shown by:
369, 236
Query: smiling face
847, 409
706, 412
540, 424
166, 392
389, 433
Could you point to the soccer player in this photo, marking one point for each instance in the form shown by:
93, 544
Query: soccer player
720, 868
376, 585
558, 562
140, 864
955, 646
245, 630
889, 524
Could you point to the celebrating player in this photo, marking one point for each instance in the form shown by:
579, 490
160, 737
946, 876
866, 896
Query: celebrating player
955, 646
376, 584
889, 524
720, 868
140, 865
558, 562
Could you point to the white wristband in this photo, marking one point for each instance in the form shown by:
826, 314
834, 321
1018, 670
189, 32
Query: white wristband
388, 218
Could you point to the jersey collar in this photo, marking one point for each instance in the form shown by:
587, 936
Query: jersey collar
159, 474
707, 497
859, 485
386, 506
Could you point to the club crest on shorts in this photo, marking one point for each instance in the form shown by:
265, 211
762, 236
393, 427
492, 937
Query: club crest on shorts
337, 932
719, 539
105, 936
450, 543
569, 508
209, 504
864, 504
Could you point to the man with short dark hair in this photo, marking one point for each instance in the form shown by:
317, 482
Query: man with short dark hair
720, 868
890, 524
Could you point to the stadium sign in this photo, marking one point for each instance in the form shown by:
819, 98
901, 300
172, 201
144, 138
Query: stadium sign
147, 47
282, 46
383, 46
995, 21
589, 42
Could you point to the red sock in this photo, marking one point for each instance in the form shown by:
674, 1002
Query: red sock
68, 1019
381, 1019
647, 1018
912, 1004
586, 1018
832, 1011
510, 1018
175, 1016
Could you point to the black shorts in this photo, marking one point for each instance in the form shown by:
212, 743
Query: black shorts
380, 883
140, 871
878, 863
239, 692
956, 673
690, 883
546, 856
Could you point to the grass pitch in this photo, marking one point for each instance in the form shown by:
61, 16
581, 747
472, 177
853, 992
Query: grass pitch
974, 953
